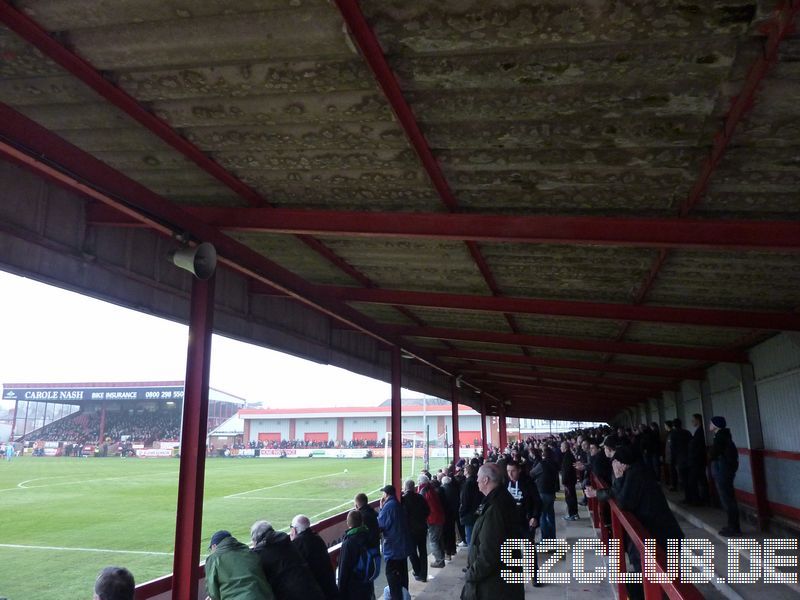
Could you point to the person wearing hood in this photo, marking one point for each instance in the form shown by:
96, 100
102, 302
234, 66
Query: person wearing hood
233, 572
356, 541
285, 570
436, 520
724, 463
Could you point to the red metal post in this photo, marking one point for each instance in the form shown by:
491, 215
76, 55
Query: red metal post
483, 429
454, 407
188, 525
397, 439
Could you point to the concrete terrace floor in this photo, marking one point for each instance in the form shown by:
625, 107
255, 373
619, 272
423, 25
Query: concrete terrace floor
446, 583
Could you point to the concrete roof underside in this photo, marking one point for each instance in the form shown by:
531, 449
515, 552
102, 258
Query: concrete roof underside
668, 131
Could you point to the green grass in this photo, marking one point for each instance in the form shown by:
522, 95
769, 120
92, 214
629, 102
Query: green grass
129, 504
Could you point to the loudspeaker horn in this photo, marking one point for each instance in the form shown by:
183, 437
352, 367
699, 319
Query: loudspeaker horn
200, 261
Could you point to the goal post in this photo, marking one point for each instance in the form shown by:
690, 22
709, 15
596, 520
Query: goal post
413, 440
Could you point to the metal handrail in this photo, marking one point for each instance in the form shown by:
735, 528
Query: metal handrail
161, 585
625, 523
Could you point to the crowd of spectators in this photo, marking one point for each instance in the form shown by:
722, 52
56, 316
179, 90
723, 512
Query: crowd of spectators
84, 427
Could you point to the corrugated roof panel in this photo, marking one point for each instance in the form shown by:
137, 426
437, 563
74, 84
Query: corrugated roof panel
412, 264
592, 273
295, 256
729, 279
680, 335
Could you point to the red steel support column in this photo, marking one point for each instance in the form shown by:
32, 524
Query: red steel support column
483, 429
188, 525
755, 441
102, 423
454, 407
397, 435
503, 434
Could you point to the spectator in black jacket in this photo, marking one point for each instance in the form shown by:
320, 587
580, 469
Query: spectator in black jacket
724, 458
470, 500
451, 501
569, 479
287, 572
370, 518
315, 552
679, 446
697, 485
529, 505
417, 511
636, 490
650, 445
545, 476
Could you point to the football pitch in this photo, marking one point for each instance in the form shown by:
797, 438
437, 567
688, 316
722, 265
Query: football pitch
63, 519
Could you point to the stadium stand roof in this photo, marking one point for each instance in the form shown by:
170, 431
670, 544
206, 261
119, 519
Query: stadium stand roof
571, 205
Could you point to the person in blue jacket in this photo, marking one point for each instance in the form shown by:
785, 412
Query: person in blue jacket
396, 542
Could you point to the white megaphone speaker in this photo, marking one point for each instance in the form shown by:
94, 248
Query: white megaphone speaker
200, 261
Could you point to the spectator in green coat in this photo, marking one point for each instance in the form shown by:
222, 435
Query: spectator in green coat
233, 572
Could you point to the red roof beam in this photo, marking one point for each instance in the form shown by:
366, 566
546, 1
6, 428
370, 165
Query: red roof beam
504, 387
582, 365
371, 50
777, 28
558, 385
701, 234
542, 375
565, 343
709, 317
72, 168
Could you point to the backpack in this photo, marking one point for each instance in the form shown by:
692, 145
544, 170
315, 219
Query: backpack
368, 566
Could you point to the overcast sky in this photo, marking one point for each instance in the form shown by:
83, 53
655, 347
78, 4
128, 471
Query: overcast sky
50, 335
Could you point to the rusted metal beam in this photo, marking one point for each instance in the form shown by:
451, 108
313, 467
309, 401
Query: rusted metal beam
709, 317
703, 234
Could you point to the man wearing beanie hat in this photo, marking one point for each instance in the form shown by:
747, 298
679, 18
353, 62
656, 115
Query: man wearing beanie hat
724, 464
636, 490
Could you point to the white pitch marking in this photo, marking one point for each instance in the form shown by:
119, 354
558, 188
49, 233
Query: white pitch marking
101, 550
21, 485
285, 483
339, 506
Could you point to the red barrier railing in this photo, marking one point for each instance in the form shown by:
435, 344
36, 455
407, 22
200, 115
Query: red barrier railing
331, 530
624, 524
